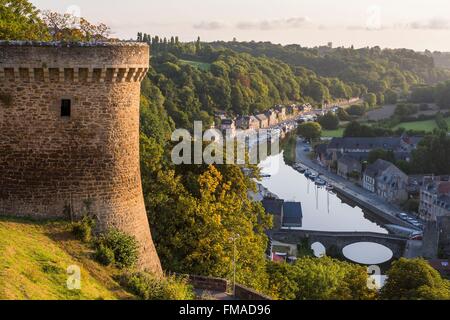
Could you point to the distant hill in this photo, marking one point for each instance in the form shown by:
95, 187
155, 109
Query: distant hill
441, 59
196, 80
35, 258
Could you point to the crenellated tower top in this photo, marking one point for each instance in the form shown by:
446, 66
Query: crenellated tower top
73, 62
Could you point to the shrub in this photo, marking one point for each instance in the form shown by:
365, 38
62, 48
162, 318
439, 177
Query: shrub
414, 279
329, 121
356, 110
405, 110
343, 115
125, 247
371, 99
104, 255
149, 287
441, 123
83, 229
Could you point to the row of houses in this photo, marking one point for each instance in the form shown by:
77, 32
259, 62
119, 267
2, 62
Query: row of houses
348, 156
270, 118
360, 148
395, 186
435, 199
380, 177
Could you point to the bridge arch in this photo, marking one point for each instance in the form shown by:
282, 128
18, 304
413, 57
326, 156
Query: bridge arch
335, 242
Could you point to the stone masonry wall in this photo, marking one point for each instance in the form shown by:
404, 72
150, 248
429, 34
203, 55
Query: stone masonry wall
53, 166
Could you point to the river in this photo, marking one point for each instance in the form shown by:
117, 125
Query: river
322, 210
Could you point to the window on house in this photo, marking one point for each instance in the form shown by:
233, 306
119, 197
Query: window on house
65, 107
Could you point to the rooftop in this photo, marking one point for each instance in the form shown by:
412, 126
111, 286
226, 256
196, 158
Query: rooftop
273, 206
377, 168
394, 143
439, 187
349, 160
292, 214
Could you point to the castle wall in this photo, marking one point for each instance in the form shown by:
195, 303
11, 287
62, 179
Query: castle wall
53, 166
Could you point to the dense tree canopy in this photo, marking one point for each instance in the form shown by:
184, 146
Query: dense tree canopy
196, 211
376, 154
371, 99
373, 69
329, 121
19, 20
439, 94
432, 155
310, 130
415, 280
319, 279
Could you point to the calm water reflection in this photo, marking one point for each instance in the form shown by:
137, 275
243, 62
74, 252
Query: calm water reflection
321, 210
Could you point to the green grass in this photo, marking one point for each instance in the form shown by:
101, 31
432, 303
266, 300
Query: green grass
196, 64
34, 258
427, 125
333, 133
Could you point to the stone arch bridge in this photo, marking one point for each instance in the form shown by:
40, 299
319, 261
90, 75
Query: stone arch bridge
339, 240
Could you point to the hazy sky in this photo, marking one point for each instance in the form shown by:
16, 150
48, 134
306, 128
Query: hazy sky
416, 24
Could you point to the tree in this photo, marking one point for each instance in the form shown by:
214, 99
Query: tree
371, 99
390, 96
415, 280
422, 94
387, 155
310, 130
343, 115
356, 110
319, 279
355, 129
198, 45
432, 155
19, 20
442, 95
70, 28
282, 282
404, 110
194, 217
329, 121
318, 91
441, 123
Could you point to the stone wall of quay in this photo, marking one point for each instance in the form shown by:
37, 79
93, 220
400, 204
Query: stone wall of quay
54, 166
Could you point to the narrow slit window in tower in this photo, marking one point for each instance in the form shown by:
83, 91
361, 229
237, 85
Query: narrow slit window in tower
65, 107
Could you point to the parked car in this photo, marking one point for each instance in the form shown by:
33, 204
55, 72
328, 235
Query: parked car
416, 237
417, 224
402, 216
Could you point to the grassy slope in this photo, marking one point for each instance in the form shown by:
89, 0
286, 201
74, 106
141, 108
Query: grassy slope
333, 133
34, 258
196, 64
428, 125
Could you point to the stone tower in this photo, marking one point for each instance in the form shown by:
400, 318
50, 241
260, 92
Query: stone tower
69, 135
